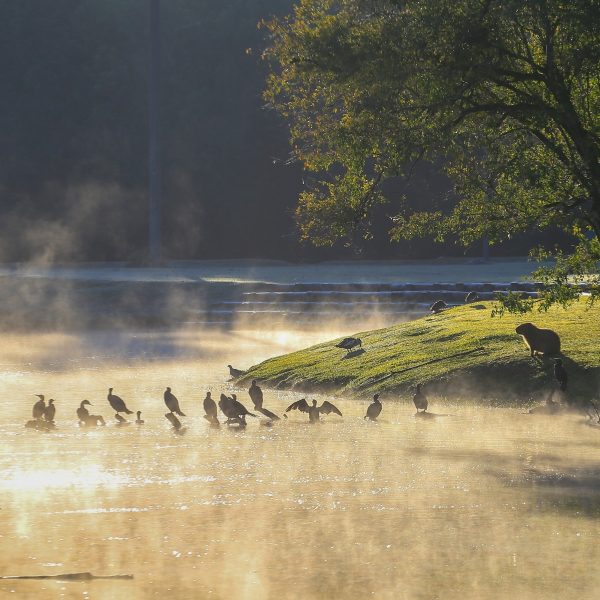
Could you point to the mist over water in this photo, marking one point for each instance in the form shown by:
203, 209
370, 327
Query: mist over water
484, 503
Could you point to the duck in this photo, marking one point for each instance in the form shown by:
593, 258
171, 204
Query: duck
117, 403
420, 399
139, 420
374, 409
314, 411
172, 402
39, 407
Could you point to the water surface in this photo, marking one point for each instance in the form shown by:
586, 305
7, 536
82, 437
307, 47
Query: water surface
483, 503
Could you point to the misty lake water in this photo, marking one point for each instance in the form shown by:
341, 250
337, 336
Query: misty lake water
482, 503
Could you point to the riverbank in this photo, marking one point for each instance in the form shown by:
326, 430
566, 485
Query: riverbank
461, 352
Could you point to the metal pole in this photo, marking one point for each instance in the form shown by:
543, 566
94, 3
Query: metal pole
154, 166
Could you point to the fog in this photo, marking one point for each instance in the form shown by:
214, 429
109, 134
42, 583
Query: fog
482, 503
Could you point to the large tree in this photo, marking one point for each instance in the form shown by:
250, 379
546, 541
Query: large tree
504, 93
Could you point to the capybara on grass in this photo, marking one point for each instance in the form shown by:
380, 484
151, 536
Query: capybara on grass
539, 341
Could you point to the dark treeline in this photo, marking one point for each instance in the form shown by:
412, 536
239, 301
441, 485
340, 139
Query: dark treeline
73, 122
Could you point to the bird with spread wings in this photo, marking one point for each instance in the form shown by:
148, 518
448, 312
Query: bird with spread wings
314, 411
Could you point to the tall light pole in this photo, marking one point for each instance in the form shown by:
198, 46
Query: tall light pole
154, 159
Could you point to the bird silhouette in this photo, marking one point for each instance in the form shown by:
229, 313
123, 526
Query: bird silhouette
256, 395
233, 409
314, 411
82, 412
210, 408
438, 306
139, 420
172, 402
561, 375
117, 403
349, 343
420, 399
50, 411
235, 373
39, 407
374, 409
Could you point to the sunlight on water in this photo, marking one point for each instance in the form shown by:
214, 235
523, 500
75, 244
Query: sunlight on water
482, 503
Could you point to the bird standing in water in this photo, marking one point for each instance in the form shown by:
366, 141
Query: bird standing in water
374, 409
82, 412
561, 375
314, 411
234, 410
256, 395
39, 407
420, 399
172, 402
117, 403
50, 411
139, 420
210, 408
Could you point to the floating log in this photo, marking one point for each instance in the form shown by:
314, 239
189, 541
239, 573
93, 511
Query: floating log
68, 577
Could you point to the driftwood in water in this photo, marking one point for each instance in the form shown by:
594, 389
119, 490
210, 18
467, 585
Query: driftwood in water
268, 413
68, 577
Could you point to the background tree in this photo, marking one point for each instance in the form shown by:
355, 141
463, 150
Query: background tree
505, 92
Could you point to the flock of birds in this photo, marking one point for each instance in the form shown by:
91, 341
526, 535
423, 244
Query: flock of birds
234, 411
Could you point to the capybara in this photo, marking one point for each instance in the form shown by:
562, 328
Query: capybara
539, 341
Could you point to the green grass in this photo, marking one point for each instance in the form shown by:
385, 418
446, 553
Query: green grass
398, 357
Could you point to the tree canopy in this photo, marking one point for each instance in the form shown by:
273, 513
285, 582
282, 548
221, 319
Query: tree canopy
504, 93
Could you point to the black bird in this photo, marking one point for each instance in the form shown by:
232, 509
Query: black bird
420, 399
349, 343
374, 409
172, 402
561, 374
39, 407
82, 412
117, 403
471, 297
50, 411
210, 408
233, 409
256, 395
438, 306
235, 372
139, 420
314, 411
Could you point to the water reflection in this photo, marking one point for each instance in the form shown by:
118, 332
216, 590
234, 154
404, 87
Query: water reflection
484, 503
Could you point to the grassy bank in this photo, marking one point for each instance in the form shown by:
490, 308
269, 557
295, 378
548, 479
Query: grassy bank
462, 352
